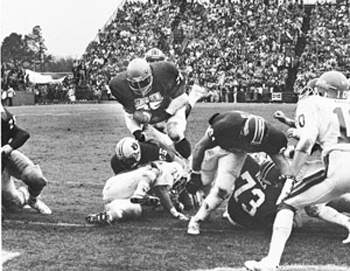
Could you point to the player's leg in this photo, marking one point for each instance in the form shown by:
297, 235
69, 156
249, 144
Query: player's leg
146, 180
176, 127
327, 213
10, 195
306, 193
22, 168
341, 204
118, 210
197, 93
229, 168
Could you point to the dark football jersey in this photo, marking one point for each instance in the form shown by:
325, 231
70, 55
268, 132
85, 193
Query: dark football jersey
149, 152
225, 131
10, 133
253, 202
167, 84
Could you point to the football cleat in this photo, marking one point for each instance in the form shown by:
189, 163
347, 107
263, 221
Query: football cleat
145, 200
39, 206
263, 265
193, 227
99, 219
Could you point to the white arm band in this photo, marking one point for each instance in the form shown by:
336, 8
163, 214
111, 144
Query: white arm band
177, 104
131, 124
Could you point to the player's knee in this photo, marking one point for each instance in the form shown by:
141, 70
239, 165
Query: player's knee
312, 210
184, 148
284, 205
33, 176
222, 193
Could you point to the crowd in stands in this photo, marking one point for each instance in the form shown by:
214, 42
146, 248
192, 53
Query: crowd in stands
239, 46
231, 47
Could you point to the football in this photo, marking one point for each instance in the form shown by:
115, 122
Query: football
142, 117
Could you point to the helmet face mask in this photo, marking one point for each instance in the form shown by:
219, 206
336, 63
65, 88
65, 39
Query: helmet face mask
128, 150
139, 76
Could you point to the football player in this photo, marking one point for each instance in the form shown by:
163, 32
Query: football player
252, 203
154, 95
237, 133
125, 194
131, 154
324, 120
16, 164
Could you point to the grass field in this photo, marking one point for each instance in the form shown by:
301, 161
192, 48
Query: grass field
73, 145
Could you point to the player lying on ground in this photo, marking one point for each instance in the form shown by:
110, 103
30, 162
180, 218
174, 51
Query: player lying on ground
237, 133
131, 154
125, 194
252, 203
15, 164
322, 119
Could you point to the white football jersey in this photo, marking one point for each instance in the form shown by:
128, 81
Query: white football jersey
326, 121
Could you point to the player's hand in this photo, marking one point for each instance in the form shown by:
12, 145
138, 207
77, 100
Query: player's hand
6, 150
279, 115
195, 183
139, 136
293, 133
178, 215
289, 182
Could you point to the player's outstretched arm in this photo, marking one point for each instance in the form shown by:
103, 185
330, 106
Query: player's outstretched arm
162, 193
279, 115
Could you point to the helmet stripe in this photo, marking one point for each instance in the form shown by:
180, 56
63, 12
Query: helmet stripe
259, 131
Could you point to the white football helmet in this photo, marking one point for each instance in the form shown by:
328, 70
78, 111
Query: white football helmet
154, 55
139, 76
332, 84
128, 150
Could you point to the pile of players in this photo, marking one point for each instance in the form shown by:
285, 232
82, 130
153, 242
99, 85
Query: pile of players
241, 159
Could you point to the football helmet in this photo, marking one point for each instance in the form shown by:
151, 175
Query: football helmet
154, 55
139, 76
254, 131
332, 84
128, 150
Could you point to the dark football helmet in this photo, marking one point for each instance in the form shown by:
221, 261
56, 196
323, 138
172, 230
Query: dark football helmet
139, 76
254, 130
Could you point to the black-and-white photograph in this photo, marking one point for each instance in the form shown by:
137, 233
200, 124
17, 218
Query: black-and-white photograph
175, 135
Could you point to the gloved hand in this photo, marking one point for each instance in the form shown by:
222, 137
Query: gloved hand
289, 182
139, 136
279, 115
178, 215
195, 183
